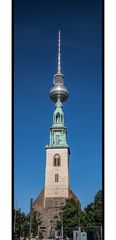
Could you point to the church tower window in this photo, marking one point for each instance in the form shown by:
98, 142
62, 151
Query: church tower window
56, 160
58, 118
56, 177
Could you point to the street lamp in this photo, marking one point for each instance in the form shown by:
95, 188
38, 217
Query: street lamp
55, 219
79, 229
38, 229
51, 230
62, 229
30, 221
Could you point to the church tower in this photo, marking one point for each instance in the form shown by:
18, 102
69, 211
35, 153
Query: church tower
57, 152
56, 189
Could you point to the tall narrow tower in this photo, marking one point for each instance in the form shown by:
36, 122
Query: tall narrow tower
56, 189
57, 152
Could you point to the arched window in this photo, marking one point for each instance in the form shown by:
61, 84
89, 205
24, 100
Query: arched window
56, 160
58, 117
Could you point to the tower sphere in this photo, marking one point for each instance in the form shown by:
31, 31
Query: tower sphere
59, 89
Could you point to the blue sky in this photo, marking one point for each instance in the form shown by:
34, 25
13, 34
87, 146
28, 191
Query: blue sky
36, 25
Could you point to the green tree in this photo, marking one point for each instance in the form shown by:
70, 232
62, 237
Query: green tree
69, 217
22, 223
98, 208
72, 216
19, 221
35, 222
25, 227
89, 215
83, 218
92, 214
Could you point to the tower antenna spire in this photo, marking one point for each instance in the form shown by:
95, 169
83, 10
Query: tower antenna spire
58, 88
59, 66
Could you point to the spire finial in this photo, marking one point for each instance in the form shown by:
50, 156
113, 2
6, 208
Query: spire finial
59, 67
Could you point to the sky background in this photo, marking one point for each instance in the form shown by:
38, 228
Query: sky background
36, 25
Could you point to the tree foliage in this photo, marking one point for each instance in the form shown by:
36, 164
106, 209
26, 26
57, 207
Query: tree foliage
22, 223
20, 218
72, 216
35, 222
98, 207
92, 214
69, 217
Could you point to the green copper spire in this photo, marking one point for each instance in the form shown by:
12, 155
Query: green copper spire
58, 116
59, 103
58, 130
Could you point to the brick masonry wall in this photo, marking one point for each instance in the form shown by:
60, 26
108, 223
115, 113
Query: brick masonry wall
49, 212
60, 188
49, 209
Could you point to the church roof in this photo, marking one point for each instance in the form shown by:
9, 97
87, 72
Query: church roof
39, 201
